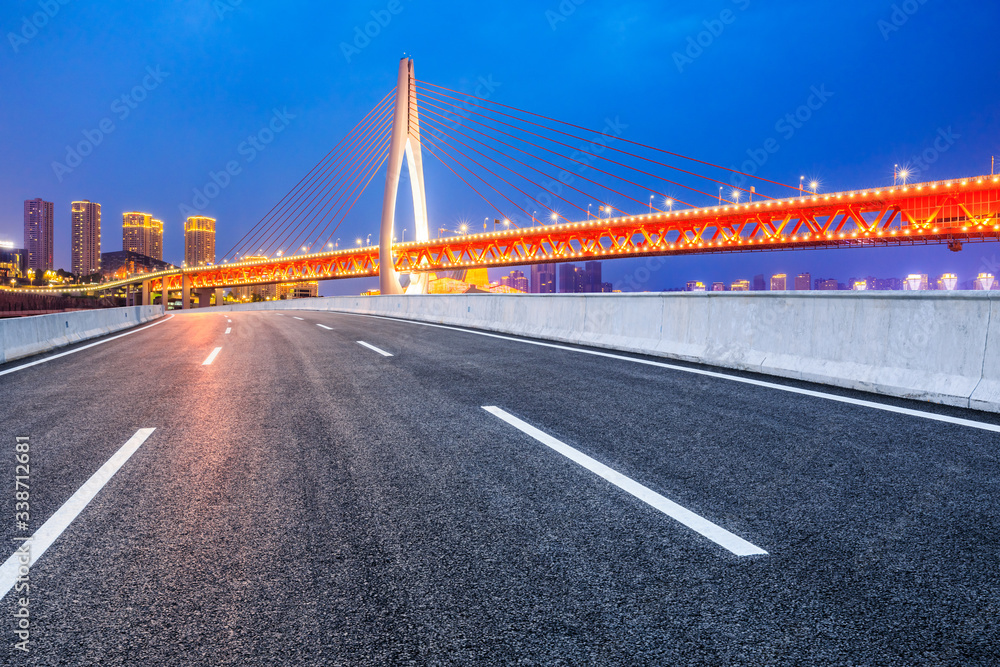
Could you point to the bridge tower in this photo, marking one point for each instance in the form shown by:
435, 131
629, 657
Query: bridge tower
405, 142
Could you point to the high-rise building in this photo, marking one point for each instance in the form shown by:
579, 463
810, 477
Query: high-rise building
142, 233
758, 283
543, 278
568, 278
985, 281
779, 282
718, 287
803, 282
199, 241
916, 282
694, 286
740, 286
86, 239
156, 240
948, 282
516, 280
38, 217
826, 284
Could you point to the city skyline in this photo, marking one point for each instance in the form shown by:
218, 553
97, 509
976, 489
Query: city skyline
220, 157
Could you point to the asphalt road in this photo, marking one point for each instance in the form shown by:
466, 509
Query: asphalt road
306, 500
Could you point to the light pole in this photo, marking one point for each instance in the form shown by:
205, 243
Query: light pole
404, 236
670, 204
533, 214
555, 217
801, 181
588, 211
651, 204
720, 195
368, 241
895, 172
815, 186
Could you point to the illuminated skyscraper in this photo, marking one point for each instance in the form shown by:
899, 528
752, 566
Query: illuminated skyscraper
142, 233
916, 282
38, 216
156, 240
779, 282
199, 241
86, 239
803, 282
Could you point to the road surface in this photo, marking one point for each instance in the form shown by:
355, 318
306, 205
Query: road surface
307, 499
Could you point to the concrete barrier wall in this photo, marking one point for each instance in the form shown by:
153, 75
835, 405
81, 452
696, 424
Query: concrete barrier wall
939, 347
25, 336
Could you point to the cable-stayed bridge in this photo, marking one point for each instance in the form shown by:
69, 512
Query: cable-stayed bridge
556, 192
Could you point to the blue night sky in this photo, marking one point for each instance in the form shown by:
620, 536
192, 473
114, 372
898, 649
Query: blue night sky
896, 80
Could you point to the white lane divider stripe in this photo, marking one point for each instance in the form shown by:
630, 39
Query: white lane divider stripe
64, 516
700, 525
323, 326
81, 349
211, 357
228, 329
985, 426
372, 347
297, 318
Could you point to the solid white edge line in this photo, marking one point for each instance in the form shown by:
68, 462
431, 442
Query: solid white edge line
228, 330
323, 326
64, 516
212, 356
714, 374
372, 347
298, 318
81, 349
733, 543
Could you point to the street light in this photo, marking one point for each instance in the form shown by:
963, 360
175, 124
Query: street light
464, 229
555, 216
404, 236
670, 204
588, 211
720, 195
815, 186
368, 241
736, 195
801, 181
359, 241
651, 203
895, 173
904, 174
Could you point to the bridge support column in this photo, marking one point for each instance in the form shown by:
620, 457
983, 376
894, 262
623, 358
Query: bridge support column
185, 292
147, 289
204, 297
220, 297
405, 143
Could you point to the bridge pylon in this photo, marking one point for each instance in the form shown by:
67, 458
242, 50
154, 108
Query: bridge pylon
405, 142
